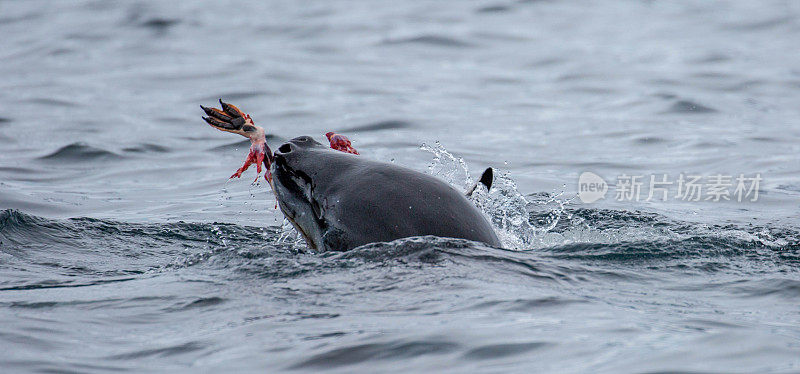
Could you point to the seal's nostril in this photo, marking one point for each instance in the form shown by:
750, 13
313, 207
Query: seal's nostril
286, 148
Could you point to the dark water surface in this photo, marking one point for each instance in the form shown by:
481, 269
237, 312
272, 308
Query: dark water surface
122, 246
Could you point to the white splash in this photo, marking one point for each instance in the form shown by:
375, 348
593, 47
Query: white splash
448, 167
505, 207
289, 235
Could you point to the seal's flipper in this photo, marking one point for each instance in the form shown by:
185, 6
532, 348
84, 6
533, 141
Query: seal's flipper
486, 179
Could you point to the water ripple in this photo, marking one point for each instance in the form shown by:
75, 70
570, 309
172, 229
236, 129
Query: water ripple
395, 350
80, 152
685, 106
430, 40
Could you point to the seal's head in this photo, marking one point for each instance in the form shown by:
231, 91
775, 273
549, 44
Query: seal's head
302, 171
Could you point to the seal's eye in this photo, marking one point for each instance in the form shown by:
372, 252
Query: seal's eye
304, 139
248, 128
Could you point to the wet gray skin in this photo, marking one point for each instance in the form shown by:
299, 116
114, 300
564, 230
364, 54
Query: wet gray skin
339, 201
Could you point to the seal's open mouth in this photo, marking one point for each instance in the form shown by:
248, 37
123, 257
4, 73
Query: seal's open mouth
293, 189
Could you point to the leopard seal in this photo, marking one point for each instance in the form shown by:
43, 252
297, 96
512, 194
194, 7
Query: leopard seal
339, 201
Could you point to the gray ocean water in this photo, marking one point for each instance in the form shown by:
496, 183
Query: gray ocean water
123, 247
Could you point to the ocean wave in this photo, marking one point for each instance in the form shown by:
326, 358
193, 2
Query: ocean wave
80, 152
